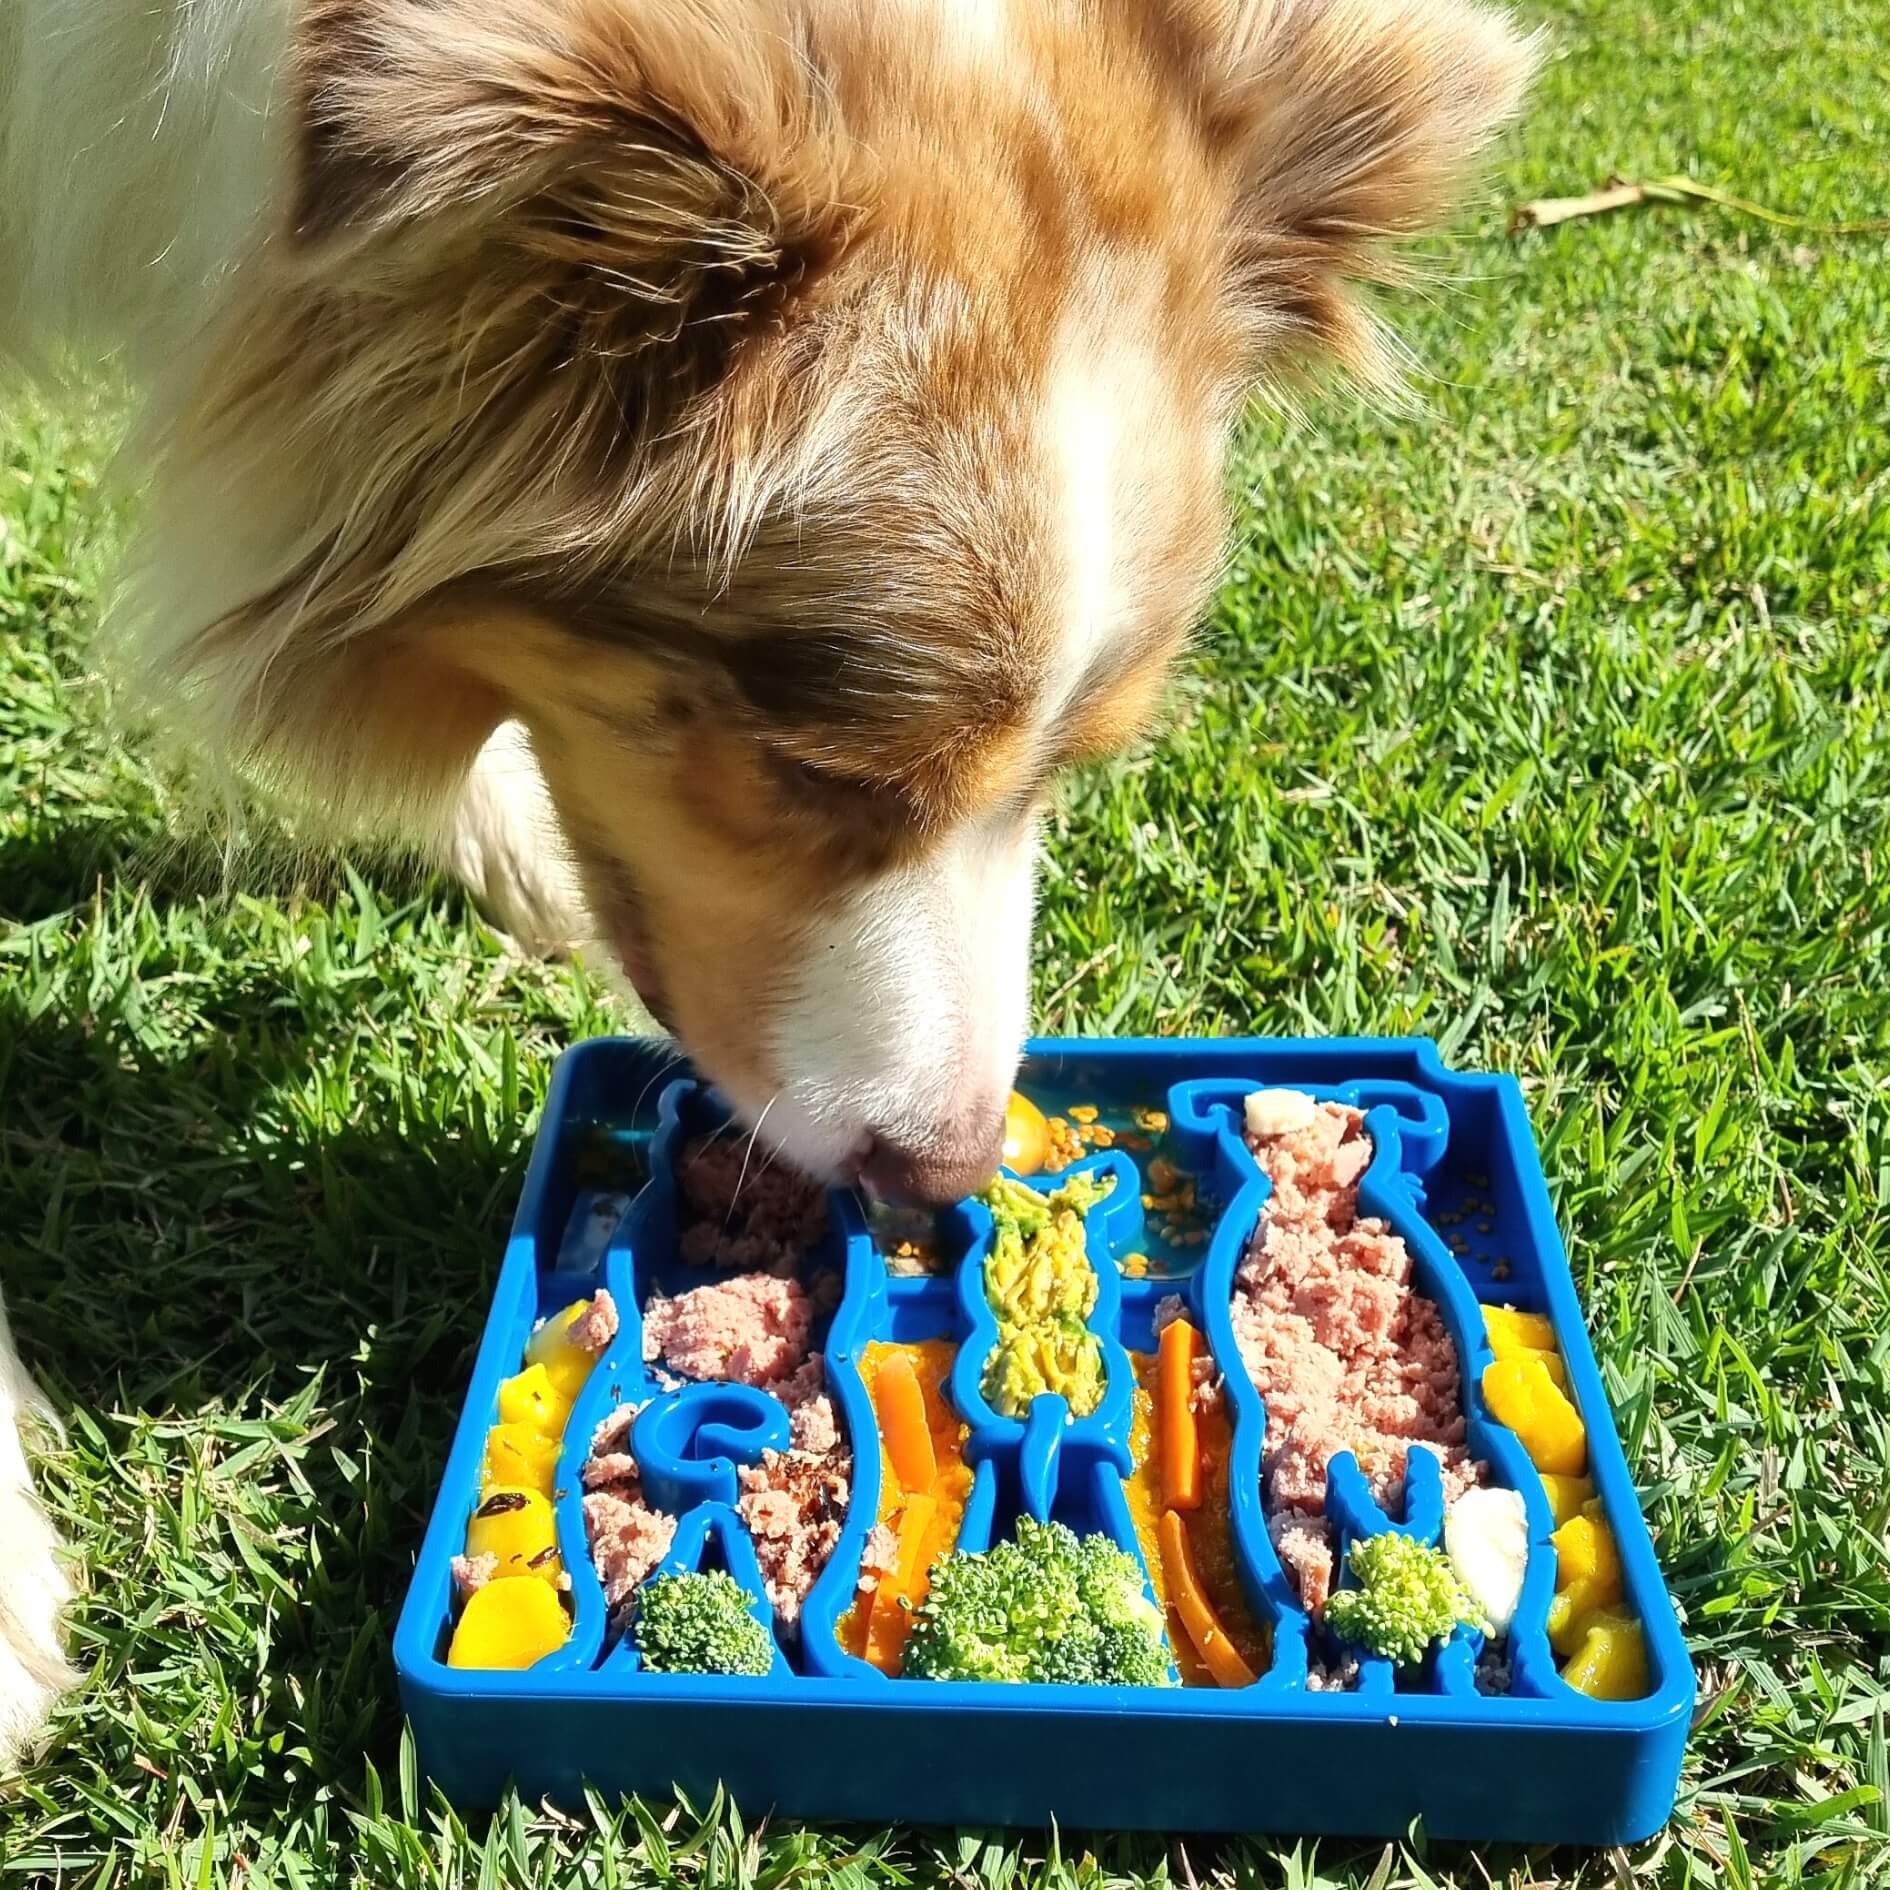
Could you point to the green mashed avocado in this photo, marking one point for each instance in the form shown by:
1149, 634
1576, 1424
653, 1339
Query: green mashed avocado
1042, 1288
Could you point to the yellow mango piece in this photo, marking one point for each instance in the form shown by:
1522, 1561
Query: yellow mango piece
1523, 1395
566, 1365
1611, 1661
1587, 1560
1568, 1496
1571, 1614
508, 1624
520, 1529
1026, 1135
519, 1458
1565, 1629
1512, 1331
531, 1398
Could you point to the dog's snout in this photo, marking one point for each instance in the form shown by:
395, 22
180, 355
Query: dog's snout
936, 1172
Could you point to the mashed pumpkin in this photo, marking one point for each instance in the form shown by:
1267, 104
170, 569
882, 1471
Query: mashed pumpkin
1042, 1288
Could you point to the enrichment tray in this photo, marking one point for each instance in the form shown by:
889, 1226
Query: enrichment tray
1454, 1171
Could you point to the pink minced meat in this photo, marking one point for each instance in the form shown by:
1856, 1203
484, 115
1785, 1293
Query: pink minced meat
742, 1209
1339, 1676
1345, 1353
628, 1536
628, 1539
610, 1460
879, 1558
472, 1572
1304, 1544
752, 1330
794, 1501
794, 1504
596, 1325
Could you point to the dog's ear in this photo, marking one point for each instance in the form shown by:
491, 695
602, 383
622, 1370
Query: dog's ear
1348, 124
523, 237
676, 155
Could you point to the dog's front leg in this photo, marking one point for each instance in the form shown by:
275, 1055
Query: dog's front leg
504, 846
34, 1587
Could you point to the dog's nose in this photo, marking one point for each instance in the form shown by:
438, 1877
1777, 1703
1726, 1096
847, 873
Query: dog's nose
936, 1173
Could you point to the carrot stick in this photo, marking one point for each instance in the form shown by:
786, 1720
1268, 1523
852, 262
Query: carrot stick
898, 1593
902, 1417
1181, 1446
1186, 1597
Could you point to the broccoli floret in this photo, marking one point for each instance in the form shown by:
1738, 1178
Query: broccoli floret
1130, 1650
700, 1623
1129, 1655
991, 1616
1408, 1597
1049, 1606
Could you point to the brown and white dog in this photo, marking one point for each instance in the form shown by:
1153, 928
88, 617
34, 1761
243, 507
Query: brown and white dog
704, 462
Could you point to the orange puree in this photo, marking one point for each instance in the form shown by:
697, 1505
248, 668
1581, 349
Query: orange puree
878, 1633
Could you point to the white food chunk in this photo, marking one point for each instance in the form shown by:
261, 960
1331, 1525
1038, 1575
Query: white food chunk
1486, 1536
1272, 1112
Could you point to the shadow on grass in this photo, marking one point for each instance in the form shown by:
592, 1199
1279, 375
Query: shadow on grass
259, 1325
49, 869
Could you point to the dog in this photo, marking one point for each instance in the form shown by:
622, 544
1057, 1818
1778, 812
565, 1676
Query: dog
703, 466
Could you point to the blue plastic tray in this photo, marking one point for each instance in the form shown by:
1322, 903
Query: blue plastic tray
1454, 1171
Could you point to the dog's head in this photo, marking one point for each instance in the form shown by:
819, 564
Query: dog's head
807, 417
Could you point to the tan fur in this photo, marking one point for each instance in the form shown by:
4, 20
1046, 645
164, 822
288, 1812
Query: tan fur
671, 377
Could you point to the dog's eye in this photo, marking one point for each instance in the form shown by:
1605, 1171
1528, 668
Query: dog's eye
823, 780
815, 783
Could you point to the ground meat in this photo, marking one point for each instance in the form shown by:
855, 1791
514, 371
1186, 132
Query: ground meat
1315, 1169
596, 1326
794, 1501
1339, 1676
614, 1467
1169, 1308
879, 1557
472, 1572
794, 1504
816, 1428
1346, 1354
751, 1330
741, 1208
1304, 1544
628, 1539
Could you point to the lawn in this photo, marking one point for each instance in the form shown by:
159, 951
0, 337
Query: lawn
1550, 721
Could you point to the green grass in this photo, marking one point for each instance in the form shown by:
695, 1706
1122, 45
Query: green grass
1552, 722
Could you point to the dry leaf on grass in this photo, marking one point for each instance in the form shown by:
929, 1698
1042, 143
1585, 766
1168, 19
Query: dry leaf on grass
1625, 193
